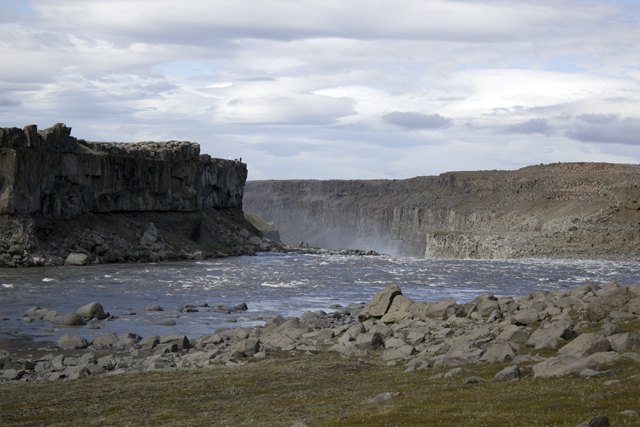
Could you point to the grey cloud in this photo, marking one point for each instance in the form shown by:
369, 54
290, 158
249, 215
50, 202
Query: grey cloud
4, 102
598, 119
416, 121
605, 128
532, 126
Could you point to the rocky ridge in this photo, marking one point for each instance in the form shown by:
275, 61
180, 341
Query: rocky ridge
64, 200
561, 210
586, 331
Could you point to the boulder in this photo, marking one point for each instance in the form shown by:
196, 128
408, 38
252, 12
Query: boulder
486, 304
150, 342
380, 303
564, 365
433, 310
164, 322
551, 337
525, 317
92, 310
106, 340
69, 319
244, 348
501, 352
68, 341
153, 307
627, 341
585, 345
513, 333
180, 340
369, 341
75, 258
600, 421
602, 305
508, 373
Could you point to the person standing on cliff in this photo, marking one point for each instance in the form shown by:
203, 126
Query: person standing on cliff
301, 243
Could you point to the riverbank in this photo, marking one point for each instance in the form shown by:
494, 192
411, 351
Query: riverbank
587, 332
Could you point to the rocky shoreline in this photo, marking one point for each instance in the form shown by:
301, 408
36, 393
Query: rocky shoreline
582, 331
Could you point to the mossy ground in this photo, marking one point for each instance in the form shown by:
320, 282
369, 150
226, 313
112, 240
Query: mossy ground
319, 390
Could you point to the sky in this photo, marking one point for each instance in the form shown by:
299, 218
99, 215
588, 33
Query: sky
310, 89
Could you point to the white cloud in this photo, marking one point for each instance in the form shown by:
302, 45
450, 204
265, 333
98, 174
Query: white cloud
332, 89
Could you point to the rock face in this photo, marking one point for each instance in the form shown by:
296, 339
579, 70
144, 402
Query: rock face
68, 201
67, 176
563, 210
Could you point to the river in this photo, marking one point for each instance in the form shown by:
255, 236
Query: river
285, 284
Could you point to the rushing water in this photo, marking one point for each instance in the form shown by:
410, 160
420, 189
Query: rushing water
286, 284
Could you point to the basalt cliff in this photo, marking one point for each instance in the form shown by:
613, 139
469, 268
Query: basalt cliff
116, 202
562, 210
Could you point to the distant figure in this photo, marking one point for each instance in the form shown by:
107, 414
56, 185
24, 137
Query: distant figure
301, 243
240, 159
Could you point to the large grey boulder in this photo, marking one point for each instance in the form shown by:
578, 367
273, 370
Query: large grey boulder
369, 341
105, 341
513, 333
525, 317
92, 310
486, 304
500, 352
585, 345
180, 340
75, 258
68, 341
551, 336
508, 373
433, 310
605, 303
69, 319
244, 347
627, 341
561, 366
378, 306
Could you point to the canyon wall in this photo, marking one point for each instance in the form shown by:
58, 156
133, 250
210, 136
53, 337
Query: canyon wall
562, 210
63, 198
54, 174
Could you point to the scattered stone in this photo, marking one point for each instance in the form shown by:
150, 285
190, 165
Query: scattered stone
475, 380
508, 373
68, 341
382, 397
76, 259
92, 310
153, 307
164, 322
601, 421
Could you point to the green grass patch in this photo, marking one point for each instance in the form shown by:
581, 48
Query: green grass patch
319, 390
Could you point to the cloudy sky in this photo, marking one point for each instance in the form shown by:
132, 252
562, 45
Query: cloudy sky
334, 89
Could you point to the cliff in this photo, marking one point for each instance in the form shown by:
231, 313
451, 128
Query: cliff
116, 202
51, 173
563, 210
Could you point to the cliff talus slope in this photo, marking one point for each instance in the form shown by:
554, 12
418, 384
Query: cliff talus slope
563, 210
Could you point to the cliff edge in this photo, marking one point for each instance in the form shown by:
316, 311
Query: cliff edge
116, 202
562, 210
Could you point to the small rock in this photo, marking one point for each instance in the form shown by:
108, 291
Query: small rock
475, 380
600, 421
382, 397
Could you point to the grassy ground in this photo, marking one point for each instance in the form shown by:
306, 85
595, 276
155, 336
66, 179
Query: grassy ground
318, 390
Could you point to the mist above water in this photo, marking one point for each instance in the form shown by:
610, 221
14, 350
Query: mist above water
285, 284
